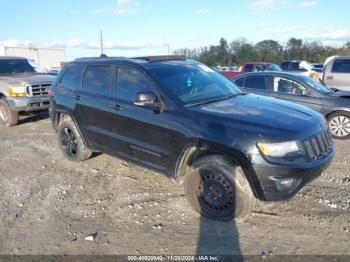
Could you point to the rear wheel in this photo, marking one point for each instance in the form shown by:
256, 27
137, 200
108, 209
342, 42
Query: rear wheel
339, 125
71, 142
218, 189
7, 116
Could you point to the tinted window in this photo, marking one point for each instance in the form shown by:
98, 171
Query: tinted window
257, 82
240, 82
285, 65
15, 66
130, 82
72, 77
194, 83
97, 79
283, 85
294, 66
341, 66
248, 67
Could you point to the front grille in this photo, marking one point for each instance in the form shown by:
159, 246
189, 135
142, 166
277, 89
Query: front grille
318, 146
38, 89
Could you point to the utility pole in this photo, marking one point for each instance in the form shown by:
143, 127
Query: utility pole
168, 49
101, 40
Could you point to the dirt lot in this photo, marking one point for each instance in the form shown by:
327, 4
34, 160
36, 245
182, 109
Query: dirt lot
49, 205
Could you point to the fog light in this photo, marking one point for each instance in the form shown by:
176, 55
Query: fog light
287, 183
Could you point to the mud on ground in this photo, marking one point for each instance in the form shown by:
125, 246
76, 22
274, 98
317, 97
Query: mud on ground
50, 205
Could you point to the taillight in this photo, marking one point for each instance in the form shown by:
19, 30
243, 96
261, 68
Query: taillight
49, 92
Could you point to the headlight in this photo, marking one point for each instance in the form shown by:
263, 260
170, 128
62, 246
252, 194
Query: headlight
278, 149
18, 91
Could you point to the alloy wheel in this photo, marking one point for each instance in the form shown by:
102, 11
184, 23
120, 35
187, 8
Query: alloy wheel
339, 126
69, 142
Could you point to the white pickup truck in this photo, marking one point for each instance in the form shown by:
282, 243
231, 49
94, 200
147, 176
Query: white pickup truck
336, 72
22, 89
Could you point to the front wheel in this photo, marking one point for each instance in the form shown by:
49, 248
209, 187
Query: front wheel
218, 189
339, 125
7, 116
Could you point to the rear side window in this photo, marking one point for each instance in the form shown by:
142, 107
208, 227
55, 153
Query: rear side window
341, 66
98, 79
257, 82
249, 68
130, 82
72, 77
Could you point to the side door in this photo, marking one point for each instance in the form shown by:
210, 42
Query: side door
258, 84
69, 82
94, 108
141, 130
293, 91
338, 74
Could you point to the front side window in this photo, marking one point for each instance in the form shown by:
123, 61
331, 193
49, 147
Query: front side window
72, 77
283, 85
341, 66
257, 82
194, 83
130, 82
97, 79
249, 68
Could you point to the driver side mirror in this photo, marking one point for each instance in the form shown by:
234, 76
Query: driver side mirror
146, 100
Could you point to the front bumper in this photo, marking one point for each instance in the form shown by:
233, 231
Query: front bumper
271, 176
28, 104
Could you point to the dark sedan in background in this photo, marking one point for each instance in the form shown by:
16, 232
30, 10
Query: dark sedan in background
333, 104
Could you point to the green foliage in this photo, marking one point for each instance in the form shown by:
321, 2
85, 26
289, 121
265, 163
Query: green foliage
240, 51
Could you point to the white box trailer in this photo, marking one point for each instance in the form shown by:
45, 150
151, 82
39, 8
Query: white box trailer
45, 58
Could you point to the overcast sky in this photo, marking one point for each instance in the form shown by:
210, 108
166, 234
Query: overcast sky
140, 27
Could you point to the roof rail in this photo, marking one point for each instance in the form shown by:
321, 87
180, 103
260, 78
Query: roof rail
100, 58
162, 58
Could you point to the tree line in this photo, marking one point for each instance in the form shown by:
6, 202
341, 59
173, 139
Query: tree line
240, 51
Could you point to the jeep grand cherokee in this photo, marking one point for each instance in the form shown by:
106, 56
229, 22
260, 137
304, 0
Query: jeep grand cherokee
182, 119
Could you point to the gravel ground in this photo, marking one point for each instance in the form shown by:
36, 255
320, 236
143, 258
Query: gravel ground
107, 206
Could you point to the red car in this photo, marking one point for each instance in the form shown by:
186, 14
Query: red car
251, 67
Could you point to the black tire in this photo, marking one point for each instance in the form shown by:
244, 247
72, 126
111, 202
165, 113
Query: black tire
217, 188
7, 116
339, 125
71, 142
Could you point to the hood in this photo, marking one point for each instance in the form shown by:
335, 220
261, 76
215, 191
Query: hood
22, 79
266, 116
340, 93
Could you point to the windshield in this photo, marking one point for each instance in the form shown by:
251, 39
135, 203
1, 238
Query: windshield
316, 85
195, 83
15, 66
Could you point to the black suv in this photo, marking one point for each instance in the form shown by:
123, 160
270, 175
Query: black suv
182, 119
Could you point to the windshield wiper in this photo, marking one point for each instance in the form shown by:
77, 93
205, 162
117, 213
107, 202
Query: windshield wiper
208, 101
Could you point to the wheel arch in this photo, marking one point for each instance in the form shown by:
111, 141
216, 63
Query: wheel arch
337, 110
192, 153
59, 116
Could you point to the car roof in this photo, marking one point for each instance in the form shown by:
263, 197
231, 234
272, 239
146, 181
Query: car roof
271, 73
144, 61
